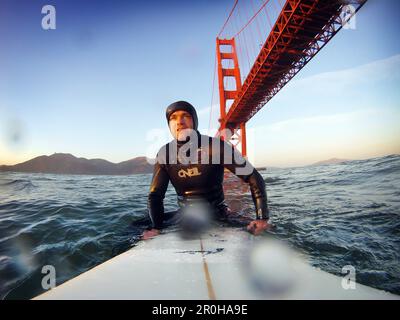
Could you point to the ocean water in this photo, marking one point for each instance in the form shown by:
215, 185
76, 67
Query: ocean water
344, 214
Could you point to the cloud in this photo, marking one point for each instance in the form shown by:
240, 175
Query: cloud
355, 134
321, 120
204, 111
374, 71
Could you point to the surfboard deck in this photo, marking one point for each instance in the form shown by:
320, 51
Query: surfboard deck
214, 266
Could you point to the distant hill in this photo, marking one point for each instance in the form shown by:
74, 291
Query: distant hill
330, 161
65, 163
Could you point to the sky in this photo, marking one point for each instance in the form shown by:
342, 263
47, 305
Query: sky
97, 86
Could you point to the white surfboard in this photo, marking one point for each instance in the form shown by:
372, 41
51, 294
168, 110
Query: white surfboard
224, 263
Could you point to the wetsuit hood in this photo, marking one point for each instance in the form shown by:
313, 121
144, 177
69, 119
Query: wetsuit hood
182, 106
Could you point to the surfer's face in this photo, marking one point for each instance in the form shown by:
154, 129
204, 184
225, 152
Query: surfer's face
180, 122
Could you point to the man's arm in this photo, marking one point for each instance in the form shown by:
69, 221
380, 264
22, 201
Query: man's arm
159, 185
258, 193
242, 168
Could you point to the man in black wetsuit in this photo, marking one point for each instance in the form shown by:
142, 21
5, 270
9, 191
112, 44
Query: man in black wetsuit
194, 164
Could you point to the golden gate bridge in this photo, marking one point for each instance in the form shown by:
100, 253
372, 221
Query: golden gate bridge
252, 70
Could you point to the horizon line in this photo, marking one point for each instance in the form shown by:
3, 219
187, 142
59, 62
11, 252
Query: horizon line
260, 166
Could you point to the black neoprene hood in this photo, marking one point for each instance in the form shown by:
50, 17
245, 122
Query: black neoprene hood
182, 106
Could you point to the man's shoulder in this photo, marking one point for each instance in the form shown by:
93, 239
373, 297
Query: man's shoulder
161, 154
166, 146
163, 148
163, 151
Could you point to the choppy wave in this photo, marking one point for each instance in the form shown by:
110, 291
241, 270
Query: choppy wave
342, 214
17, 184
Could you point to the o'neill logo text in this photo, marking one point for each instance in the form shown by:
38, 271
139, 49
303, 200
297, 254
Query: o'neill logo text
191, 172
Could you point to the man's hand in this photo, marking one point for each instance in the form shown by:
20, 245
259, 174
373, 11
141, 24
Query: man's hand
148, 234
256, 227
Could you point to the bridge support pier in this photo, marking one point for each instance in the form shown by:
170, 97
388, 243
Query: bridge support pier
238, 131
